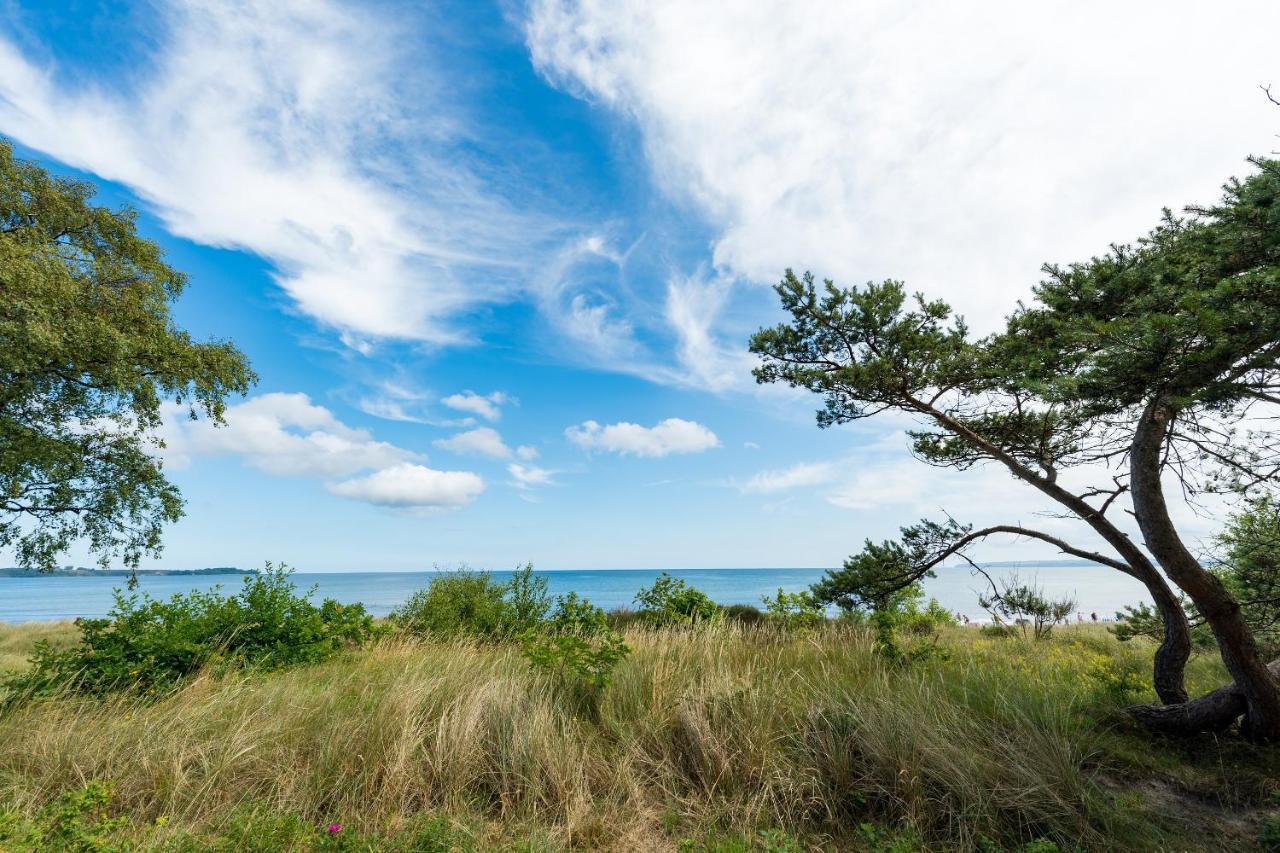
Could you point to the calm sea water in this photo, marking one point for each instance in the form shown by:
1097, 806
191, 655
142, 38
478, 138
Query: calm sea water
1096, 588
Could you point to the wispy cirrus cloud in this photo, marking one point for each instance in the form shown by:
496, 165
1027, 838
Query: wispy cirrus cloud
488, 406
913, 140
314, 134
526, 477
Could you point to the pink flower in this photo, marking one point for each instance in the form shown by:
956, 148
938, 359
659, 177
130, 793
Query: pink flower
334, 828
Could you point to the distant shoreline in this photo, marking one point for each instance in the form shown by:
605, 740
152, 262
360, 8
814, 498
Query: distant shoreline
82, 572
88, 572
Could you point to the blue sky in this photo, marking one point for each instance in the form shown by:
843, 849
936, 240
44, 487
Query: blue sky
496, 263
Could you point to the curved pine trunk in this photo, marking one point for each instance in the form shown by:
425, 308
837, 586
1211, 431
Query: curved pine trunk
1257, 684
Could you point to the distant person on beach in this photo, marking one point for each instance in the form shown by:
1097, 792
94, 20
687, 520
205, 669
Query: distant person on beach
1093, 616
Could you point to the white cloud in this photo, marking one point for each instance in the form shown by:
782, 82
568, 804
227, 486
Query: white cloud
694, 304
796, 476
281, 434
672, 435
306, 132
954, 148
410, 486
530, 476
487, 406
482, 440
527, 452
288, 435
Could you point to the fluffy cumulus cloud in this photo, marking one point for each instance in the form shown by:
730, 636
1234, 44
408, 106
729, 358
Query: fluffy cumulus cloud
484, 441
954, 147
487, 406
289, 435
673, 435
308, 132
281, 434
410, 486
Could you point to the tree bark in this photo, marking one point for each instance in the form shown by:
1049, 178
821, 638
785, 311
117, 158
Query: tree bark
1257, 684
1213, 712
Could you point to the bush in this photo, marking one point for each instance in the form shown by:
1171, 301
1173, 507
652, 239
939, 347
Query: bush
470, 603
1269, 833
906, 630
743, 614
527, 599
78, 820
671, 601
576, 641
792, 610
152, 645
1025, 604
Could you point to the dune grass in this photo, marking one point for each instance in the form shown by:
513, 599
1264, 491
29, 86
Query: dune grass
17, 641
706, 739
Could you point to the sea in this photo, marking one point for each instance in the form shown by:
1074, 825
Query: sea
1099, 591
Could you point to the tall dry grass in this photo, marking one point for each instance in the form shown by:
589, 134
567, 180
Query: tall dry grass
727, 727
17, 641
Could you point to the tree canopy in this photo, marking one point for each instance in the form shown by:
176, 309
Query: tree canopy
1153, 361
88, 353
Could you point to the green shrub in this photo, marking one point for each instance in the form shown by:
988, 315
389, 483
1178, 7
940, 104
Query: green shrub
743, 614
1025, 604
576, 641
151, 645
470, 603
1269, 833
793, 610
527, 599
621, 618
905, 629
78, 821
671, 601
459, 602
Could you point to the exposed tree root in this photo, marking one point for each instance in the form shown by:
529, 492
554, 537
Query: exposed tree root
1212, 712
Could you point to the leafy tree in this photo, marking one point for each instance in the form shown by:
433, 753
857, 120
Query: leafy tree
1142, 363
671, 601
1025, 604
88, 352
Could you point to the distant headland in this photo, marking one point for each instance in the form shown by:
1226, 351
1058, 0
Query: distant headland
85, 571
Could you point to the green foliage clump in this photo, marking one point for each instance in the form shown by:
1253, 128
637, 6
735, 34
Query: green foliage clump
905, 626
575, 641
89, 351
1249, 566
1246, 557
743, 614
792, 610
469, 603
671, 601
78, 821
151, 645
1269, 833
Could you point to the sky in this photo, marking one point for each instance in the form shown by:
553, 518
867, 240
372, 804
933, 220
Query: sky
496, 264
